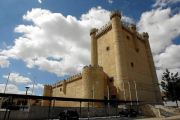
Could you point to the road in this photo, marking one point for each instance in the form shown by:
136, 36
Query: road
131, 118
111, 118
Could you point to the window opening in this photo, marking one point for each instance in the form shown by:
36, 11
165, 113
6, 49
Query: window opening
113, 96
111, 79
107, 48
60, 89
132, 64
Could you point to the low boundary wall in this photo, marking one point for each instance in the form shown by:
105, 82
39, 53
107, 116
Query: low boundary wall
41, 112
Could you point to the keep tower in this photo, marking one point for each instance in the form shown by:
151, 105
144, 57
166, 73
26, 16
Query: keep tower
125, 56
121, 60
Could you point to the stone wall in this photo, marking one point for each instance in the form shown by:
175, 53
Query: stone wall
41, 112
139, 71
70, 93
146, 110
15, 115
175, 111
107, 60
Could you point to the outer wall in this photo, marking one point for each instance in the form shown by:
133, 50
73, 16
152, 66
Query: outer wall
70, 93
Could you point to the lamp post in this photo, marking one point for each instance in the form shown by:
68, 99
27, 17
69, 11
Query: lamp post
25, 99
4, 90
30, 99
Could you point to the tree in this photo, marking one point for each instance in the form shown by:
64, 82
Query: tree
4, 103
171, 85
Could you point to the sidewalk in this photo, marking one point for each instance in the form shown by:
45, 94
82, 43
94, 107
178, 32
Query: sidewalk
168, 118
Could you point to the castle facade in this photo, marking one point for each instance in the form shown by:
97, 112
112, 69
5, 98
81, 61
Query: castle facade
121, 60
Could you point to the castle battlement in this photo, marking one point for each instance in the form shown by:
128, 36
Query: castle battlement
104, 29
140, 36
126, 27
115, 13
93, 30
107, 27
93, 68
145, 35
70, 79
132, 26
47, 86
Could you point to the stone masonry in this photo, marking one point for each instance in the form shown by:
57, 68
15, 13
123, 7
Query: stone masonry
120, 58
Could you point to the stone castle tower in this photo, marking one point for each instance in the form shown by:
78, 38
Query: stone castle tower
121, 59
47, 92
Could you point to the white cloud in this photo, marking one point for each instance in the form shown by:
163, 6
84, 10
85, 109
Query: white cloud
4, 62
12, 89
162, 3
161, 27
127, 19
65, 40
36, 86
15, 78
40, 86
110, 1
170, 58
29, 73
39, 1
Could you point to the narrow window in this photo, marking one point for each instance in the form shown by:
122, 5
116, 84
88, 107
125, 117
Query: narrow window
132, 64
127, 37
111, 79
113, 96
107, 48
60, 89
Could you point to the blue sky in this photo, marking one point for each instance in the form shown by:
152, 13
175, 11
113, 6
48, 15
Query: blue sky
49, 39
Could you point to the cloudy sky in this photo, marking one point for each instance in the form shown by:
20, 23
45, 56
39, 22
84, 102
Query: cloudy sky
49, 39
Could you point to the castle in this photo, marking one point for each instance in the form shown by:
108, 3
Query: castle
121, 59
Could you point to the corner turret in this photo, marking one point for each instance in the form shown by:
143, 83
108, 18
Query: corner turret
94, 55
47, 92
93, 31
115, 13
93, 76
133, 27
145, 35
119, 48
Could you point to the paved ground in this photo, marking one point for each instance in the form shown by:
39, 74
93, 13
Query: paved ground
114, 118
132, 118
